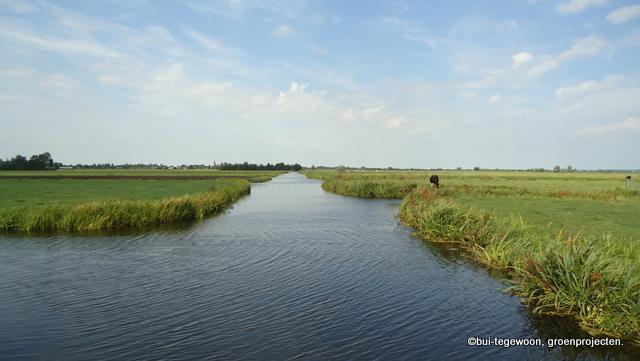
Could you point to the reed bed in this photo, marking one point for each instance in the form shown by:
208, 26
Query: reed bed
123, 214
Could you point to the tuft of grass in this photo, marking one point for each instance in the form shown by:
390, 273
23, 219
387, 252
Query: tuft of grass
369, 189
123, 214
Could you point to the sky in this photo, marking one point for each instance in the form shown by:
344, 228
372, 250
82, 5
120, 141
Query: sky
424, 84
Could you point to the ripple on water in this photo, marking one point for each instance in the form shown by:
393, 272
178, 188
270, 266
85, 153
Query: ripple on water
290, 272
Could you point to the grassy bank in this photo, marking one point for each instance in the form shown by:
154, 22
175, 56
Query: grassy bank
30, 193
91, 200
581, 269
112, 214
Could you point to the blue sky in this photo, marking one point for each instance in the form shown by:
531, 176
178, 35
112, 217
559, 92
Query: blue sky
495, 84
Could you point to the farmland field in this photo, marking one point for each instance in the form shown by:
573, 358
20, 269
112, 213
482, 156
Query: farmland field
594, 203
89, 200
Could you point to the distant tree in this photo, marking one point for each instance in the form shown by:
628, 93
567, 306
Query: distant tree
476, 168
556, 169
569, 168
253, 166
341, 169
459, 168
35, 162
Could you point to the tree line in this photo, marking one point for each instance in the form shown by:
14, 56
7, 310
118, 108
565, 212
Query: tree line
35, 162
44, 161
253, 166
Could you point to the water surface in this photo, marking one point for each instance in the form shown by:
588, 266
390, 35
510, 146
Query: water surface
291, 272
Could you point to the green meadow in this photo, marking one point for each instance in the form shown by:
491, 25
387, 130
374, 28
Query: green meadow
87, 200
568, 243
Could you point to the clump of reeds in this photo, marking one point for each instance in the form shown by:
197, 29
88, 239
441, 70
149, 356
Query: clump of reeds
112, 215
260, 179
369, 189
598, 282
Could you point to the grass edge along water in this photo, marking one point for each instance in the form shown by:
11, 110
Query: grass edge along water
594, 280
123, 214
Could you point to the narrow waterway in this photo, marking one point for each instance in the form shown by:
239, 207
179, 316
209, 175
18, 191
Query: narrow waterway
290, 272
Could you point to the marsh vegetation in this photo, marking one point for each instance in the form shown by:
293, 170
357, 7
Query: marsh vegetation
92, 200
568, 243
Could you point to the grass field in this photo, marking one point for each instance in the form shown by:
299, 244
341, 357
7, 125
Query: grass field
569, 242
618, 219
592, 203
42, 192
70, 201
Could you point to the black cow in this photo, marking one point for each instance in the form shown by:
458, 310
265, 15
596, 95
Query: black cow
435, 181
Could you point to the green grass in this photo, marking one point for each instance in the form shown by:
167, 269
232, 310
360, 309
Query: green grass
509, 180
569, 243
31, 203
619, 219
123, 213
30, 193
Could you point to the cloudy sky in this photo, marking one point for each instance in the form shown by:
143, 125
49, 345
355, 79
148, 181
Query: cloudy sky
509, 84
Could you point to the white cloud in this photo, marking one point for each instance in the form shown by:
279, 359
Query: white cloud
374, 114
575, 90
576, 6
520, 59
298, 100
587, 46
236, 9
371, 112
589, 86
590, 45
53, 43
624, 14
206, 42
495, 99
394, 122
349, 115
542, 68
630, 124
282, 31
